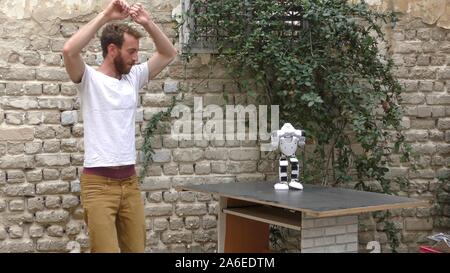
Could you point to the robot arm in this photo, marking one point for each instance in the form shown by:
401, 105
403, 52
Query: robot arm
275, 139
300, 137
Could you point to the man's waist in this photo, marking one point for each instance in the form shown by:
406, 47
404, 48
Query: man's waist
118, 172
119, 167
112, 167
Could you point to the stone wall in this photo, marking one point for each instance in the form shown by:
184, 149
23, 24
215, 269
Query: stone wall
420, 49
41, 135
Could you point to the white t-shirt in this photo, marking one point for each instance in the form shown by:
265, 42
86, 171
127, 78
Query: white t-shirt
109, 109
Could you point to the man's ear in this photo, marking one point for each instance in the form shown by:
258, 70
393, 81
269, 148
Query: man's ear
112, 50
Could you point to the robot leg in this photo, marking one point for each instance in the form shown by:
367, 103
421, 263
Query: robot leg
282, 184
295, 172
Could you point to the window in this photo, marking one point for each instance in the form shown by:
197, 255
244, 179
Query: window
205, 41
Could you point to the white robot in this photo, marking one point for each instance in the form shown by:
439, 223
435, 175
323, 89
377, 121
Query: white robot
288, 138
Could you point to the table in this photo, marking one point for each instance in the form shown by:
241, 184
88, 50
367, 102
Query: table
326, 217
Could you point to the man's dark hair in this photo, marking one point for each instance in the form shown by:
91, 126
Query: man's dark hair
114, 34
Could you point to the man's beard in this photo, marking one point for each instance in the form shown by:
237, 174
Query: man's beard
121, 67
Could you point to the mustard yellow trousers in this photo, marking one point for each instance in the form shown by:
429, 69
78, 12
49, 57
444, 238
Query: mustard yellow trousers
114, 213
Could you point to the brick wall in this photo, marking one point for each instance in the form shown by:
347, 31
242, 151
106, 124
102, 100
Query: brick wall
330, 234
41, 136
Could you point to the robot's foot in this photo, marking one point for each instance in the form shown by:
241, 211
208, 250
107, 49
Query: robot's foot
281, 186
296, 185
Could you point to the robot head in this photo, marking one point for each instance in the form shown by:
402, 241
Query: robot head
287, 128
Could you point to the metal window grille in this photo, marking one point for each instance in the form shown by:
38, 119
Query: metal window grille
206, 39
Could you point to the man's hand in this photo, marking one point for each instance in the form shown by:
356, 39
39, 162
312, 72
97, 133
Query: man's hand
117, 10
139, 14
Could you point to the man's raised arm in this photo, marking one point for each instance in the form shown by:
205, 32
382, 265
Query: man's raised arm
116, 10
165, 51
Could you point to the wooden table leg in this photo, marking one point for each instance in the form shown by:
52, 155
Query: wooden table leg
222, 221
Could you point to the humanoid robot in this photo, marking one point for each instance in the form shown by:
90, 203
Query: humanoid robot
288, 138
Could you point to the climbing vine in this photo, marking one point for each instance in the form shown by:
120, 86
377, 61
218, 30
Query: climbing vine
322, 62
153, 125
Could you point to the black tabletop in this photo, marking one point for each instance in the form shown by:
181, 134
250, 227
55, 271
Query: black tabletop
315, 200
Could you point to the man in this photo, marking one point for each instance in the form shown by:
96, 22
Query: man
114, 210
